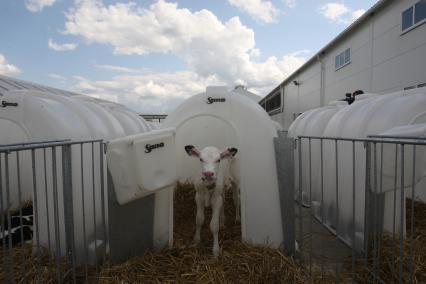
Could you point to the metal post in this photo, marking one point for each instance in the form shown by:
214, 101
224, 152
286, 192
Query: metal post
102, 177
35, 208
47, 209
413, 196
83, 211
336, 149
367, 200
2, 216
310, 206
394, 209
300, 200
18, 172
381, 216
353, 211
56, 216
68, 205
374, 213
322, 195
284, 153
9, 255
94, 207
401, 228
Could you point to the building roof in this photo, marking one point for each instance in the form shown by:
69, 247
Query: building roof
243, 90
361, 20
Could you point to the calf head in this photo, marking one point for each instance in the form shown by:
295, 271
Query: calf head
210, 158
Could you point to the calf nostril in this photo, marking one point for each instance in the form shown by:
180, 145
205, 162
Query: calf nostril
208, 174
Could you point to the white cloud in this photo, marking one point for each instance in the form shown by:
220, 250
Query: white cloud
148, 93
227, 51
161, 92
290, 3
260, 10
8, 69
38, 5
56, 77
334, 11
120, 69
340, 13
61, 47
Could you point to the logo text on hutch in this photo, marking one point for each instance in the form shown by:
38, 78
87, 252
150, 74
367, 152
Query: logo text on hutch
149, 147
211, 100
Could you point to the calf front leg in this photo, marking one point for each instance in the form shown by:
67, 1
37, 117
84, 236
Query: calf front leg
199, 220
217, 203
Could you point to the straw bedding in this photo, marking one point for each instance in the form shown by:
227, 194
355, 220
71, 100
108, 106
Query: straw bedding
27, 267
238, 262
185, 263
413, 259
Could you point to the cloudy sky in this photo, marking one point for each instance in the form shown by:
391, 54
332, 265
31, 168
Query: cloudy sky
151, 55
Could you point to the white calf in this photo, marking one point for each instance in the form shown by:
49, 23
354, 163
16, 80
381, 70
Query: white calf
209, 189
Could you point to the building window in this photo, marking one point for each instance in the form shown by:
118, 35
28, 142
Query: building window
274, 102
414, 16
407, 18
342, 59
420, 11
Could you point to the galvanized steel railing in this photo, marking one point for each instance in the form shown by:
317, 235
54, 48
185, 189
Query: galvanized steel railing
53, 174
333, 239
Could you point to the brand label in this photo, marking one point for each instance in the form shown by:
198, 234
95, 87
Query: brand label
149, 147
211, 100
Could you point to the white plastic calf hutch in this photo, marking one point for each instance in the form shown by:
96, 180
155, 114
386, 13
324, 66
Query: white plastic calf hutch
152, 162
229, 119
372, 115
42, 116
311, 123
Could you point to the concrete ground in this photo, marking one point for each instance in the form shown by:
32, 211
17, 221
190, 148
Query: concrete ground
320, 249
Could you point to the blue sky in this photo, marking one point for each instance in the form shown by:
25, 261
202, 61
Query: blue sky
151, 55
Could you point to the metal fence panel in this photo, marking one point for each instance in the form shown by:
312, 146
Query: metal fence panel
360, 218
46, 192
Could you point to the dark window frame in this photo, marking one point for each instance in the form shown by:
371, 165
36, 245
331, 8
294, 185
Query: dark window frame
415, 20
273, 103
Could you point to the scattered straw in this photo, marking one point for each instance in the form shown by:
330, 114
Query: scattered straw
413, 257
185, 263
28, 266
238, 262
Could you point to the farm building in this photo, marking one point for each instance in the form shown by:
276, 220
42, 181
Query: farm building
382, 52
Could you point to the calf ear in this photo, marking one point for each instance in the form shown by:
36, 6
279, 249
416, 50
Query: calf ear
192, 151
230, 152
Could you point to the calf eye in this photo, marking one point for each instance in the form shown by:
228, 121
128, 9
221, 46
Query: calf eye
201, 160
218, 160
